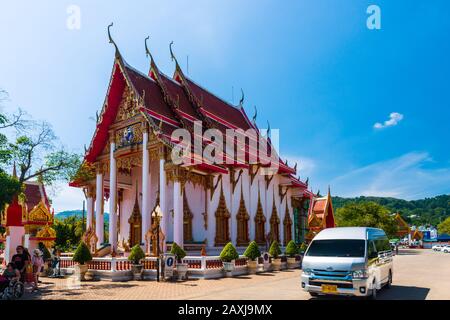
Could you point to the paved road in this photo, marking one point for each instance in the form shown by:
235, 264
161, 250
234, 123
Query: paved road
418, 275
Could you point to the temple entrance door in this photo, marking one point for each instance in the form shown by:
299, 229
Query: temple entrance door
135, 234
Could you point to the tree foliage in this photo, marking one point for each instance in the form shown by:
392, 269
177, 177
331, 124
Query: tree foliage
68, 233
428, 211
366, 214
9, 187
444, 226
82, 254
252, 252
136, 254
275, 249
229, 253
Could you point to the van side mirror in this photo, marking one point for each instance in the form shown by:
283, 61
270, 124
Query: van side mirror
373, 255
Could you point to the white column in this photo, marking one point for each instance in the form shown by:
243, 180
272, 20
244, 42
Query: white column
90, 210
233, 231
8, 255
146, 214
209, 219
112, 197
99, 227
162, 200
26, 240
178, 213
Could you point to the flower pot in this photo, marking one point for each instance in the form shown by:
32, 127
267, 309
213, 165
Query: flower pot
228, 267
137, 270
252, 266
89, 276
292, 262
276, 264
80, 271
182, 269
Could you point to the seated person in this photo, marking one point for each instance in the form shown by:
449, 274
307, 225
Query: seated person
21, 260
10, 274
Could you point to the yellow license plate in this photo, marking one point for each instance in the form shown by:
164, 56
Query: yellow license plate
327, 288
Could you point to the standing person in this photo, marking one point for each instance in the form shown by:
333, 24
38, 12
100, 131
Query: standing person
21, 261
37, 262
29, 275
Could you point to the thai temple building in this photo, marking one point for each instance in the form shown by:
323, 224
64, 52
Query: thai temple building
403, 229
199, 205
321, 215
28, 220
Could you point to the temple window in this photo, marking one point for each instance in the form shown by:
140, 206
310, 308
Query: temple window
222, 222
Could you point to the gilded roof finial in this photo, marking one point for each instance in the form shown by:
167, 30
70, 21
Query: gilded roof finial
147, 51
255, 115
268, 128
307, 181
241, 102
112, 41
172, 55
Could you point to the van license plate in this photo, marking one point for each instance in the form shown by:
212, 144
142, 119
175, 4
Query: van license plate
327, 288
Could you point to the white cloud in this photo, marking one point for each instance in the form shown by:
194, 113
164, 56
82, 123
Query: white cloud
66, 198
394, 119
305, 166
403, 177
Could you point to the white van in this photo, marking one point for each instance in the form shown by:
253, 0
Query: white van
348, 261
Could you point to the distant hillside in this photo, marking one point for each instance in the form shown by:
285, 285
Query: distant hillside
417, 212
74, 213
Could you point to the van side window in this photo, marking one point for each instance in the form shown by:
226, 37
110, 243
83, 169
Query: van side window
371, 250
382, 244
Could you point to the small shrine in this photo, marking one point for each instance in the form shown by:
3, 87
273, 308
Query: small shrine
321, 215
28, 220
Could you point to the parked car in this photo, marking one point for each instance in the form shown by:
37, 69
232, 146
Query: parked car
437, 247
348, 261
446, 248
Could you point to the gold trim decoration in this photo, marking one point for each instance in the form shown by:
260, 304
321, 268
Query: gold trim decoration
222, 221
127, 107
39, 214
260, 222
187, 220
128, 162
274, 223
130, 135
242, 218
287, 222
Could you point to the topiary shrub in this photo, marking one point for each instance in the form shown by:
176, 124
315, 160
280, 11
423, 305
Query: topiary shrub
82, 254
178, 252
45, 253
229, 253
136, 254
275, 249
252, 252
303, 247
292, 249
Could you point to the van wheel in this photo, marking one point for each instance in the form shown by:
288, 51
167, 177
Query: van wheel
373, 293
389, 282
313, 294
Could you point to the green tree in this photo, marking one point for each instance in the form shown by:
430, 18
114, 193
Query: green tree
444, 226
68, 233
366, 214
9, 187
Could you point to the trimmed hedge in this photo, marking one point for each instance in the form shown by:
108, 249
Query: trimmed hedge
82, 253
178, 252
292, 249
136, 254
252, 252
275, 249
229, 253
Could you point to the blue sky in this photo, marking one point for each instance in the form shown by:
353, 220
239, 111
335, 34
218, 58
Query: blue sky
313, 69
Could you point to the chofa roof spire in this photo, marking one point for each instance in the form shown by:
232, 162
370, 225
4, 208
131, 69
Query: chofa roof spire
173, 56
112, 41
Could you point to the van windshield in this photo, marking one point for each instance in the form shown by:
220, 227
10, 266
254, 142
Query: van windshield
337, 248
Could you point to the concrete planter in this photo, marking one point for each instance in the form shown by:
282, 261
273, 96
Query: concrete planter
80, 271
228, 267
182, 269
283, 265
276, 264
137, 269
292, 263
252, 266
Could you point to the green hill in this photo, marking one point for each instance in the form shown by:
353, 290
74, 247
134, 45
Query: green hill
416, 212
77, 213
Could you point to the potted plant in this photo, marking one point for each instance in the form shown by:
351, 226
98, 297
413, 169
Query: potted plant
81, 256
182, 268
275, 252
303, 247
136, 255
228, 256
291, 251
252, 253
